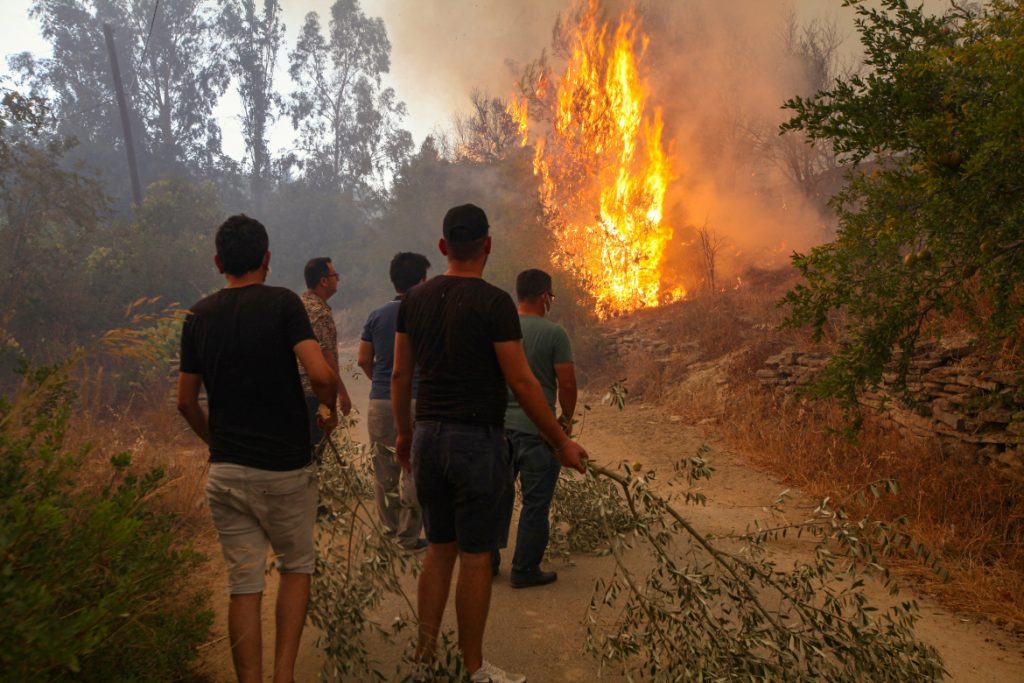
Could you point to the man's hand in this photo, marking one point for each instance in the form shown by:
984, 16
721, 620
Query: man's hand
344, 402
572, 455
326, 419
403, 451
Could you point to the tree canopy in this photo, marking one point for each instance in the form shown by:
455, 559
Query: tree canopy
931, 222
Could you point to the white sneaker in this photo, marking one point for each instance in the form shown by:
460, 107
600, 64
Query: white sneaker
488, 673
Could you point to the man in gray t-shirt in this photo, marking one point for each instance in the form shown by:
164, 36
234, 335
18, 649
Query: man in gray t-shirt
397, 507
550, 356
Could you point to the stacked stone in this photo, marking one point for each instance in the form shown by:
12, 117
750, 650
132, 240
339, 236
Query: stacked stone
791, 368
630, 339
951, 394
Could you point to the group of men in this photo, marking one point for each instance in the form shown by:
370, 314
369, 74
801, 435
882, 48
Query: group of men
454, 351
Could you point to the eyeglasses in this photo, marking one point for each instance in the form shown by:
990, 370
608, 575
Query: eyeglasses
334, 275
551, 294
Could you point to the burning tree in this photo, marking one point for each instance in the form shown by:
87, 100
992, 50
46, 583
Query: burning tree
602, 166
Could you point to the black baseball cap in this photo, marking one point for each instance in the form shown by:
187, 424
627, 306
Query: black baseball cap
465, 223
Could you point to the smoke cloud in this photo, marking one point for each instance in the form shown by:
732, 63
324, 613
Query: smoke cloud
719, 71
442, 49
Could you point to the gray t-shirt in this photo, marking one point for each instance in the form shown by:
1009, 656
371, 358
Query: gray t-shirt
546, 345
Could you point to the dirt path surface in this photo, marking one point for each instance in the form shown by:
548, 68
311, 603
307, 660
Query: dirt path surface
540, 631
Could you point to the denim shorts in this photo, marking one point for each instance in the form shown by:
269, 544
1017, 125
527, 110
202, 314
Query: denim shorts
254, 510
462, 473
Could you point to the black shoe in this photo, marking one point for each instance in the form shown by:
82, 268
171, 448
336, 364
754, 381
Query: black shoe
530, 579
419, 545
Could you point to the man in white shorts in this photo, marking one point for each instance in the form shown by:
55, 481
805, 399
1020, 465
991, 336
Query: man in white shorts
241, 343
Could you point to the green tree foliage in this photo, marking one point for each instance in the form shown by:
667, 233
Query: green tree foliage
349, 125
50, 216
931, 222
166, 250
305, 220
93, 581
431, 183
255, 35
173, 70
69, 269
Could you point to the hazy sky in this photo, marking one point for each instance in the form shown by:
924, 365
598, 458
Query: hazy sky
441, 49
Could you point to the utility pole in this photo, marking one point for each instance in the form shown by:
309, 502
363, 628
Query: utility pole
122, 104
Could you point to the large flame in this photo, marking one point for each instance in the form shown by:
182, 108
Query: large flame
603, 169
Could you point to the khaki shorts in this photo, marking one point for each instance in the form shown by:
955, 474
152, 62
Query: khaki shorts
255, 509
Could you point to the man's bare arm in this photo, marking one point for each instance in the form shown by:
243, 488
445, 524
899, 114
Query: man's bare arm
365, 358
344, 400
401, 398
322, 377
565, 373
188, 404
525, 386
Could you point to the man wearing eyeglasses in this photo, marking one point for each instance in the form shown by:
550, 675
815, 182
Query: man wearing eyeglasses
322, 282
533, 459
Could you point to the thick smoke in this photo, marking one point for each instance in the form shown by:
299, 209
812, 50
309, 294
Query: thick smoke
442, 49
719, 71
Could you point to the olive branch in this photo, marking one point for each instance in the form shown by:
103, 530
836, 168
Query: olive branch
693, 606
679, 605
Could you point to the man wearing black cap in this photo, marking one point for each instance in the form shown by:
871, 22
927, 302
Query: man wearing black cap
465, 338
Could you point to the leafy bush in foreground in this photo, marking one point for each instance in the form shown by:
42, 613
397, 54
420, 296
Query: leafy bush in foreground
91, 580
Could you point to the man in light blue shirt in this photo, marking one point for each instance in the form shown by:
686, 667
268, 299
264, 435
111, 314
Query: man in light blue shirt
395, 492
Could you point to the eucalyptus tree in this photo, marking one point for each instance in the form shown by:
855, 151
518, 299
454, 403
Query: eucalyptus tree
174, 68
348, 123
255, 33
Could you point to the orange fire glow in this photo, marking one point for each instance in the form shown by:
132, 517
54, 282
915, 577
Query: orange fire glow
518, 109
603, 169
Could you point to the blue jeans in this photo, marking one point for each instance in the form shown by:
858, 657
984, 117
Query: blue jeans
537, 469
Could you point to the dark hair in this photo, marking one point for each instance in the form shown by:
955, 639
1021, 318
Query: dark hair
407, 269
532, 283
316, 269
466, 251
241, 244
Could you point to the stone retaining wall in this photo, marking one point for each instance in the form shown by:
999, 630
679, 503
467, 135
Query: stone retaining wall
954, 395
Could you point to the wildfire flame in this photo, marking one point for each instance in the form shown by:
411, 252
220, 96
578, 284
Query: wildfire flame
518, 109
603, 169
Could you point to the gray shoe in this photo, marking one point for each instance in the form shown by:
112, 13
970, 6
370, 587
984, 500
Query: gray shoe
488, 673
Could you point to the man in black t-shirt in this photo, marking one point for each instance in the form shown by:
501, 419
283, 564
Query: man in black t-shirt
464, 336
241, 343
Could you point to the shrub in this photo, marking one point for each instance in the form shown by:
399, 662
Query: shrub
933, 232
93, 580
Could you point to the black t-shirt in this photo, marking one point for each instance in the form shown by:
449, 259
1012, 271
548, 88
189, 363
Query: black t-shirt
453, 323
241, 341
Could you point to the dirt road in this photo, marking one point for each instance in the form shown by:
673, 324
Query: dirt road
540, 631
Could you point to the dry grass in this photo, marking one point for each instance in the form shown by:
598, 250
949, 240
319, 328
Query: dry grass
966, 511
149, 428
